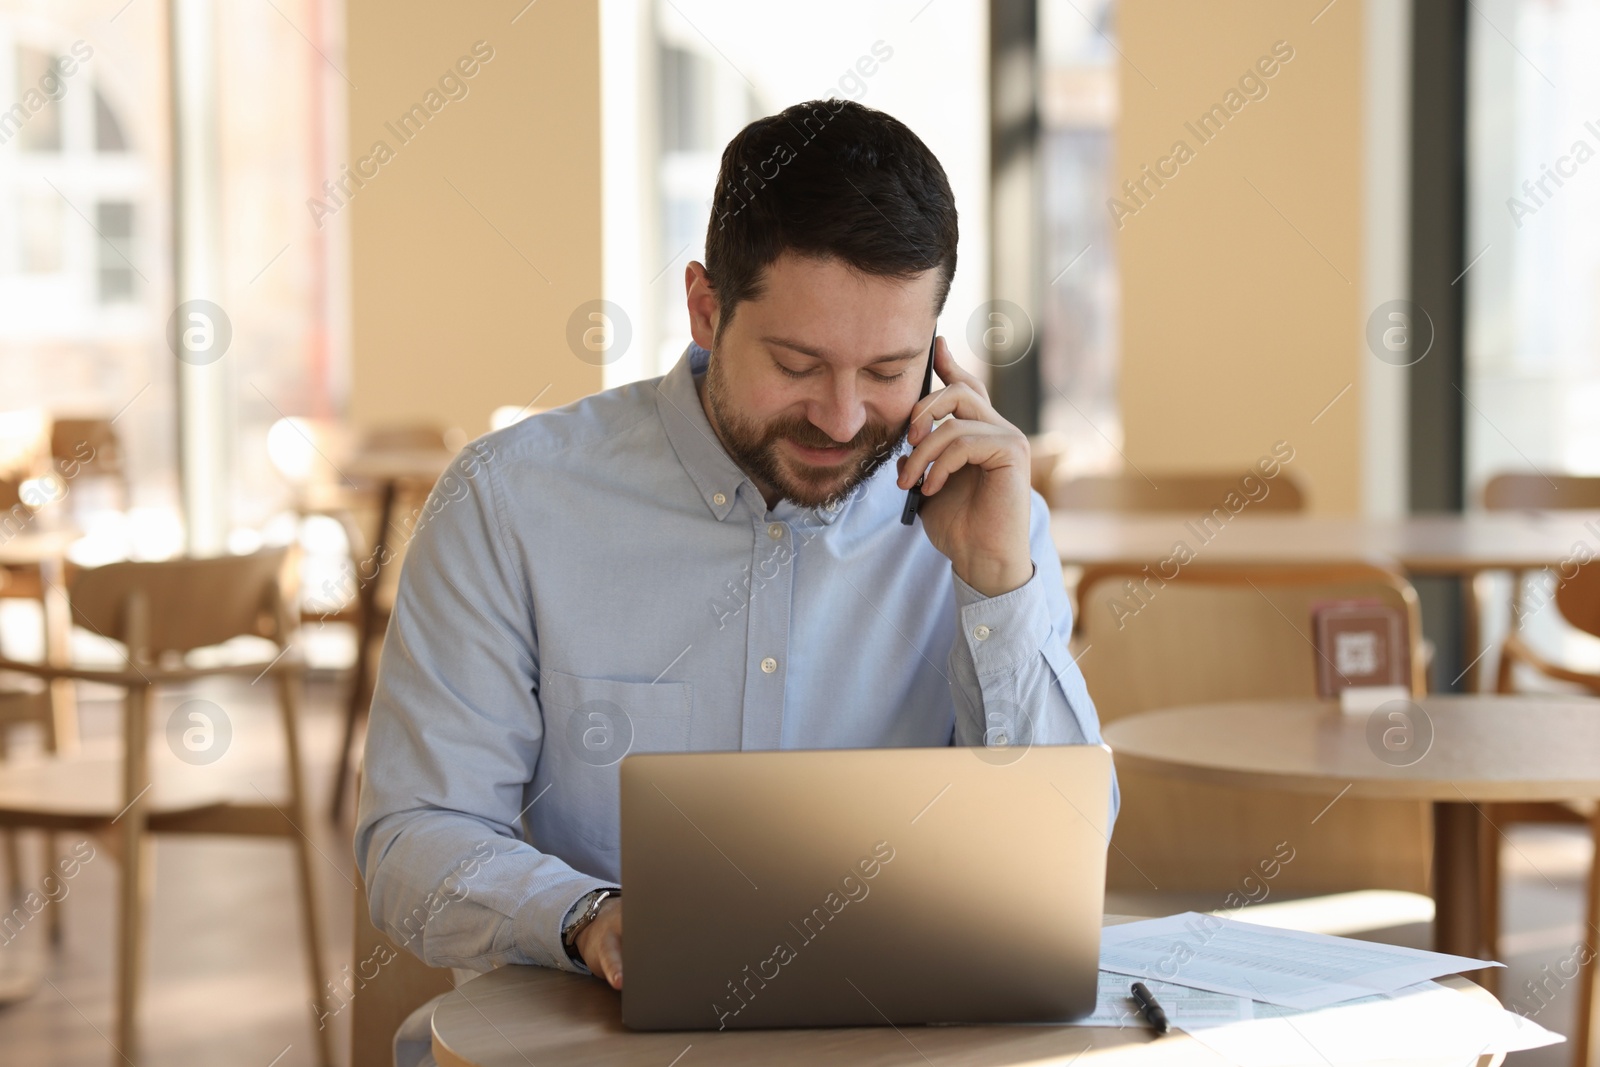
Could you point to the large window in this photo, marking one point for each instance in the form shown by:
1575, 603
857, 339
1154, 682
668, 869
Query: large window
716, 64
703, 102
75, 255
1533, 264
1078, 337
1533, 336
85, 239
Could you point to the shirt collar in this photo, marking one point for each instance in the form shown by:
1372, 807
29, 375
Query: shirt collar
714, 473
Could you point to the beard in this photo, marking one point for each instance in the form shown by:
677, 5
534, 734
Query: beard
755, 447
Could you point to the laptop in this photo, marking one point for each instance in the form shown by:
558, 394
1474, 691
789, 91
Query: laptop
862, 887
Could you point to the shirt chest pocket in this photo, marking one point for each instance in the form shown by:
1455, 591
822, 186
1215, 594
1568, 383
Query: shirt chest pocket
589, 725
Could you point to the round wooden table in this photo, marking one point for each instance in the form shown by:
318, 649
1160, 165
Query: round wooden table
518, 1016
1479, 749
1417, 544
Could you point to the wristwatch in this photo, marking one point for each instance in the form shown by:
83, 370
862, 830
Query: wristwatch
586, 910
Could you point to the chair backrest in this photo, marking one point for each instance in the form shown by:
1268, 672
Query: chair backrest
90, 443
1045, 453
1219, 633
403, 438
1538, 492
1172, 491
183, 604
1578, 598
406, 983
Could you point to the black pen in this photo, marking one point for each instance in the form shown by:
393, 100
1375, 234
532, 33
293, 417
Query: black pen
914, 494
1149, 1008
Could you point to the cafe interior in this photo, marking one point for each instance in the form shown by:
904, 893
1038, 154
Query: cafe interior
1291, 298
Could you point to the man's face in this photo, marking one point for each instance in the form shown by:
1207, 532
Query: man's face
811, 385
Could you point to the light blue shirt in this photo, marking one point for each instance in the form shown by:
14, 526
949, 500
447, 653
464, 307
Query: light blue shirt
602, 578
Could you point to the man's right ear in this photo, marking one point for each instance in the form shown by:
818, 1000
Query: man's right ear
704, 308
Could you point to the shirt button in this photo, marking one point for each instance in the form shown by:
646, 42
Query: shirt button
981, 632
719, 499
769, 665
1001, 740
775, 531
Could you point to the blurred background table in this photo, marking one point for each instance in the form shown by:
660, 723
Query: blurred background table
1456, 544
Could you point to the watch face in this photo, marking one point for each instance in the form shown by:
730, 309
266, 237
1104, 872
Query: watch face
579, 910
587, 909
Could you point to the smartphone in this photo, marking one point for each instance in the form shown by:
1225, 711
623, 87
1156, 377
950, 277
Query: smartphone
914, 494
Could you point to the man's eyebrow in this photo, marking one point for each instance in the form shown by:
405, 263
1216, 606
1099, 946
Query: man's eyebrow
814, 353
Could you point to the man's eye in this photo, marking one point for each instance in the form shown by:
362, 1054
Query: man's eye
795, 373
875, 376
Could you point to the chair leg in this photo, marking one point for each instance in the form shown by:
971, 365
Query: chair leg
138, 873
355, 713
1489, 898
13, 866
56, 926
12, 850
1588, 996
361, 688
288, 704
133, 893
1472, 598
1503, 681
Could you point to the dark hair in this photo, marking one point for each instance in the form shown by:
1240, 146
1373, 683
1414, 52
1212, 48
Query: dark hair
828, 178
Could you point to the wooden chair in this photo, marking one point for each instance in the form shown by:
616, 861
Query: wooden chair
1238, 633
1538, 492
407, 984
1532, 492
160, 612
15, 517
1045, 453
1577, 599
89, 448
20, 706
1170, 491
23, 583
401, 437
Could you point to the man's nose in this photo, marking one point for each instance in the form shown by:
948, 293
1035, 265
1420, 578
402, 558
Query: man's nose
839, 413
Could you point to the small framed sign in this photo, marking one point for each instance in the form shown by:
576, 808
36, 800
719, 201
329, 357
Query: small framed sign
1360, 644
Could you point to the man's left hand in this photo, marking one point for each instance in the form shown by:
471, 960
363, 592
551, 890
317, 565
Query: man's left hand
977, 488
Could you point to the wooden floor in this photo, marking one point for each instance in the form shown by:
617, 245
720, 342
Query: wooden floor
226, 981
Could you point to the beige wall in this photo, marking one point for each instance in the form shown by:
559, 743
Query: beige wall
450, 317
1240, 317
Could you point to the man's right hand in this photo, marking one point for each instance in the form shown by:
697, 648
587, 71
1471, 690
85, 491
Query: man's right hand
600, 944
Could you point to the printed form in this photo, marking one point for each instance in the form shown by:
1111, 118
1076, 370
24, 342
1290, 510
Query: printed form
1288, 967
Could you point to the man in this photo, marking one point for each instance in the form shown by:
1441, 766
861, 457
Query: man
715, 560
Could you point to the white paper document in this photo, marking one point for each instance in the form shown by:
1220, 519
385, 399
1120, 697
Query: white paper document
1423, 1021
1287, 967
1186, 1008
